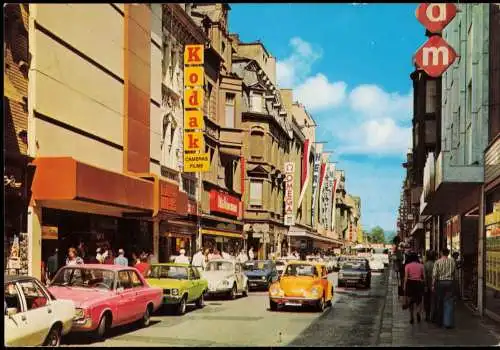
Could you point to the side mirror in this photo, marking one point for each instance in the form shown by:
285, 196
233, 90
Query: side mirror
11, 311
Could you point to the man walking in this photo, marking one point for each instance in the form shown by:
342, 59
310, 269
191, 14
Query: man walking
182, 258
428, 299
443, 274
121, 259
199, 259
52, 264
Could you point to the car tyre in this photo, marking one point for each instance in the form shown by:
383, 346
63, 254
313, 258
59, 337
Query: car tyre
232, 294
329, 302
181, 308
245, 291
200, 303
102, 328
273, 305
320, 307
54, 337
146, 318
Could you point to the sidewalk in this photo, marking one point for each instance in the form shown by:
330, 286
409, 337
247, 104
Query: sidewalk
396, 329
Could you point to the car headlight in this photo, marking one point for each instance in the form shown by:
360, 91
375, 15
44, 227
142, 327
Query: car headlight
225, 283
315, 291
263, 278
175, 291
79, 314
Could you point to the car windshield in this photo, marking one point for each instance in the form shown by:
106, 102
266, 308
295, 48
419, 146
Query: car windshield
219, 266
353, 265
300, 270
166, 271
257, 265
85, 278
280, 263
380, 251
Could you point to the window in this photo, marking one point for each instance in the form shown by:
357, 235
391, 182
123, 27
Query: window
12, 297
34, 295
430, 96
257, 144
256, 102
136, 281
124, 280
230, 98
193, 274
189, 187
256, 192
229, 166
208, 98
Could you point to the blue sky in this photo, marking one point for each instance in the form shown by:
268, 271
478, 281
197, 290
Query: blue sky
349, 65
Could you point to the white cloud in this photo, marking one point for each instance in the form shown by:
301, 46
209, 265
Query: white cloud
373, 102
297, 66
375, 136
317, 93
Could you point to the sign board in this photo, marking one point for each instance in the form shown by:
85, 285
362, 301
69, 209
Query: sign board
195, 158
317, 159
289, 218
50, 232
434, 16
224, 203
435, 56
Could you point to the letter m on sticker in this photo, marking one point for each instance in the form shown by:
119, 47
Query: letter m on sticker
194, 54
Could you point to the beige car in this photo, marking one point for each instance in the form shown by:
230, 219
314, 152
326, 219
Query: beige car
32, 316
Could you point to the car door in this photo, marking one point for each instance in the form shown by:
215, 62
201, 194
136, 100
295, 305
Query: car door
127, 305
17, 332
194, 290
39, 313
238, 276
141, 295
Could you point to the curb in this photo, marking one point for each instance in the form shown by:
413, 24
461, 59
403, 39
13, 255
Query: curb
384, 334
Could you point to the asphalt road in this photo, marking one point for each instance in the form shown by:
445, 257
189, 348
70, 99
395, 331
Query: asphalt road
354, 319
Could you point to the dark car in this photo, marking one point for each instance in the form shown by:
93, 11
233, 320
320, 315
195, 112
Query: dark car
355, 272
260, 273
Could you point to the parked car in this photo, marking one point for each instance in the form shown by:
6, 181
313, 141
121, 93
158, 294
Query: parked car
281, 264
106, 296
355, 272
33, 316
376, 264
302, 284
226, 277
181, 285
261, 273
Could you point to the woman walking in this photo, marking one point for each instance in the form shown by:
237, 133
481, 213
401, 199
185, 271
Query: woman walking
428, 266
73, 258
414, 285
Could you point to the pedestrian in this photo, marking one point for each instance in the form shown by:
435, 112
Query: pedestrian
109, 257
135, 259
152, 258
225, 255
216, 254
251, 254
143, 266
428, 297
182, 258
99, 256
199, 259
443, 275
414, 285
121, 259
73, 258
53, 264
206, 254
82, 250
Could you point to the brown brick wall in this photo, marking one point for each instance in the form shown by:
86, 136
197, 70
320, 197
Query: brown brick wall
15, 51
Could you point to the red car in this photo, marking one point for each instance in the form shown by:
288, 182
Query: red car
106, 296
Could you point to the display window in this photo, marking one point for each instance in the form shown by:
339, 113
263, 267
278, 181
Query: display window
492, 273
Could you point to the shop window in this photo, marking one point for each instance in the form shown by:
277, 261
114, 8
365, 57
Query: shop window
257, 143
256, 192
229, 111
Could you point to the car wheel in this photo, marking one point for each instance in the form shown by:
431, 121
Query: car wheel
102, 328
146, 318
54, 336
273, 305
201, 301
181, 308
245, 291
232, 294
321, 305
329, 302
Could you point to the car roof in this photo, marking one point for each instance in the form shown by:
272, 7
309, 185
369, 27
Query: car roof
303, 262
172, 264
17, 278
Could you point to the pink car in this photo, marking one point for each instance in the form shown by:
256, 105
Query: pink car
106, 296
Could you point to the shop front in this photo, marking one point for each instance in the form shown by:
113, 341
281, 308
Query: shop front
492, 256
221, 228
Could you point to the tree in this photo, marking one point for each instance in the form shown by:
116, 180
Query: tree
377, 235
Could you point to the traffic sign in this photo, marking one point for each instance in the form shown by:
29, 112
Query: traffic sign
435, 16
435, 56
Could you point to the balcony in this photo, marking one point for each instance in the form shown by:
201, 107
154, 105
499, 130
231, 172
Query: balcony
449, 188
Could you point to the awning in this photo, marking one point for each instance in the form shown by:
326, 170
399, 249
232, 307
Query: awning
221, 233
418, 227
298, 232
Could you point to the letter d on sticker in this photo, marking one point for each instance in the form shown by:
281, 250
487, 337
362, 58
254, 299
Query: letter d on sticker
193, 98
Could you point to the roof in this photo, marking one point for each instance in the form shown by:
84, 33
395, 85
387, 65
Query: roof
172, 264
11, 278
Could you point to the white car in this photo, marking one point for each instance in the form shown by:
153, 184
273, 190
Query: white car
376, 264
225, 276
33, 317
281, 264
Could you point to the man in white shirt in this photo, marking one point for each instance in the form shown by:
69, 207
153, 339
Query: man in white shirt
182, 258
242, 257
225, 255
199, 259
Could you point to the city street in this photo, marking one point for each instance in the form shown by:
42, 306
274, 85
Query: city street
354, 319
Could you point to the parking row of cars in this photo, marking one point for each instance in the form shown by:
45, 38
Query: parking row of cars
94, 298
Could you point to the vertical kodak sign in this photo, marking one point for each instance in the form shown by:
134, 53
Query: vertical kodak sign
195, 157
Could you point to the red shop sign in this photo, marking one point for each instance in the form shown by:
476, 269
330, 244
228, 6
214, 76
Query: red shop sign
224, 203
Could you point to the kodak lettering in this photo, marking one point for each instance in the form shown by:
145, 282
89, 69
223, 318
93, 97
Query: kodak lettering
193, 141
194, 54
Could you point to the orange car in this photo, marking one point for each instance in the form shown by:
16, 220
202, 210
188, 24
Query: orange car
303, 283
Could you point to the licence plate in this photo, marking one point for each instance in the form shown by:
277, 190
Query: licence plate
293, 304
253, 284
